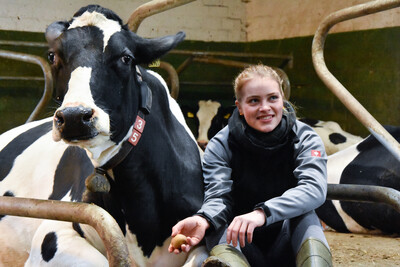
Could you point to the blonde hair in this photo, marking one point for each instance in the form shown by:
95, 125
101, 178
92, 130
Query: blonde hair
252, 71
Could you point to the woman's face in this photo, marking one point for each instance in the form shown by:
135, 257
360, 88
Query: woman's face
261, 103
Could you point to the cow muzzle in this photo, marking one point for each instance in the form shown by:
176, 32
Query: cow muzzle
74, 124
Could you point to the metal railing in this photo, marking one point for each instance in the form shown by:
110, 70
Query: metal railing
374, 127
93, 215
48, 78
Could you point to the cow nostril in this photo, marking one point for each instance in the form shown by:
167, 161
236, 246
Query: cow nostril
59, 118
87, 114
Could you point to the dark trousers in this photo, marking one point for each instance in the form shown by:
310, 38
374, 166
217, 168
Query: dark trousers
276, 244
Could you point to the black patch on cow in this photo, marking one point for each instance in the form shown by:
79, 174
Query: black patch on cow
164, 184
77, 227
329, 215
374, 165
191, 119
13, 149
310, 122
71, 173
337, 138
220, 120
49, 246
6, 194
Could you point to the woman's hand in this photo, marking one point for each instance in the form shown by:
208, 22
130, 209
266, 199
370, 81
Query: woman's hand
244, 225
194, 228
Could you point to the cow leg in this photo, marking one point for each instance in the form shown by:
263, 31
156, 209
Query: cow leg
58, 244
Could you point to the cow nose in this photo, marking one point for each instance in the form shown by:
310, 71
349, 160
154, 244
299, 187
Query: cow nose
74, 122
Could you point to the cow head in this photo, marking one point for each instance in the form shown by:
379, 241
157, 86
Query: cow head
94, 60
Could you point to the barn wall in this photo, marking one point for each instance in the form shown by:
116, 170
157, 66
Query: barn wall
205, 20
278, 19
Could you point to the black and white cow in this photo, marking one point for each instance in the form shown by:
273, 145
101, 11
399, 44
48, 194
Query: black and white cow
207, 119
115, 117
333, 136
365, 163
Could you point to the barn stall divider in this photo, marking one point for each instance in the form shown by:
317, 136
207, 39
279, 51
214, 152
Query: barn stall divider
93, 215
349, 192
373, 126
44, 65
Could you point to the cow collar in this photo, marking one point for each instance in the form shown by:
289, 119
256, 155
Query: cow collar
99, 180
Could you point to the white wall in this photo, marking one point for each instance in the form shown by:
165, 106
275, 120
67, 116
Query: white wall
278, 19
205, 20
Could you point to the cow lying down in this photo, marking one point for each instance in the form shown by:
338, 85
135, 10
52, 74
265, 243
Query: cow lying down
365, 163
115, 118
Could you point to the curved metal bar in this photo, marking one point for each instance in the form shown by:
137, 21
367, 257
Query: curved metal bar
335, 86
93, 215
173, 78
151, 8
365, 193
48, 78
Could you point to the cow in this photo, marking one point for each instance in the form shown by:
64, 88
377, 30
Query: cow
365, 163
333, 136
207, 119
116, 124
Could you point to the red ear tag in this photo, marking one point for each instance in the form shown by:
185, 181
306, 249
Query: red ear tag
316, 153
137, 131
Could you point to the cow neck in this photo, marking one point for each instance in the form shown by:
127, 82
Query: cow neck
99, 180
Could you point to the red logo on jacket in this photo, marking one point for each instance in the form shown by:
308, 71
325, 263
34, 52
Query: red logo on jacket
316, 153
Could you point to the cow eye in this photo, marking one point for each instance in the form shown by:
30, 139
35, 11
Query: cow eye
51, 57
127, 60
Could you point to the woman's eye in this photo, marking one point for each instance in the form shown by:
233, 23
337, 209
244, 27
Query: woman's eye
51, 57
127, 60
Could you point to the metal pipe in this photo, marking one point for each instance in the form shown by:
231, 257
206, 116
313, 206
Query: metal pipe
173, 78
48, 79
335, 86
229, 54
365, 193
93, 215
151, 8
24, 43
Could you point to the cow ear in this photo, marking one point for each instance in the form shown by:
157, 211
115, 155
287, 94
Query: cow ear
148, 50
54, 30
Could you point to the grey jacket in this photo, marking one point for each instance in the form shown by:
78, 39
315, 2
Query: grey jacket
309, 170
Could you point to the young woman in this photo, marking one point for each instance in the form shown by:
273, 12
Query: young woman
264, 175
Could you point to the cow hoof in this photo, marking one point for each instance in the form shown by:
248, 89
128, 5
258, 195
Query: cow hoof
97, 183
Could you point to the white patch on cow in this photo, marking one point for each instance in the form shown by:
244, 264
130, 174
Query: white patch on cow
336, 164
72, 249
107, 26
8, 136
18, 232
134, 249
325, 128
79, 94
205, 114
40, 170
160, 256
